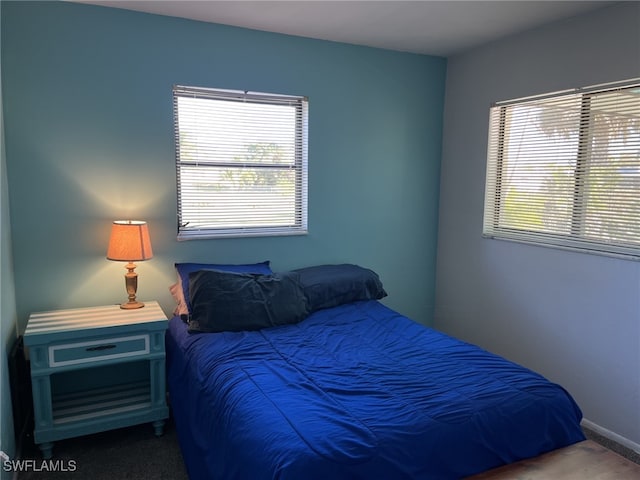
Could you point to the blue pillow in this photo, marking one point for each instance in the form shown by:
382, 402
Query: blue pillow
232, 302
184, 269
327, 286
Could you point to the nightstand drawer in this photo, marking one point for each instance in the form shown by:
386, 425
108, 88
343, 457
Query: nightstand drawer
98, 350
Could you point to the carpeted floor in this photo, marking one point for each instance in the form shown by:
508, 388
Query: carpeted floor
135, 453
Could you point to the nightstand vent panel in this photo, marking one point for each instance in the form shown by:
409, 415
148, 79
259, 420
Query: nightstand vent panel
99, 402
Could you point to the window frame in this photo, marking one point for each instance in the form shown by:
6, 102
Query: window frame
299, 165
495, 192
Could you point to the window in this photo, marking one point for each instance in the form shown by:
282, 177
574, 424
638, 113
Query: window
241, 163
563, 170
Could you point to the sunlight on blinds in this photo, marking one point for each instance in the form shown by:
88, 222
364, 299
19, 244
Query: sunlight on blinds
564, 170
241, 161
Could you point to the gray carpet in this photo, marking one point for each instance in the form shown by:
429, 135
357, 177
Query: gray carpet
135, 453
126, 454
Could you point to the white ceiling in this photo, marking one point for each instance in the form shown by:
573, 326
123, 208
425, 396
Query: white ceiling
441, 28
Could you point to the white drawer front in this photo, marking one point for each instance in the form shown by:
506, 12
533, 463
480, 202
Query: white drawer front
98, 350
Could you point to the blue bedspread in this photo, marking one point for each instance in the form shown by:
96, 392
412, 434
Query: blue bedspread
356, 392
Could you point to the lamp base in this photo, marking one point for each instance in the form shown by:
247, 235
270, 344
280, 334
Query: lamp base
131, 305
131, 282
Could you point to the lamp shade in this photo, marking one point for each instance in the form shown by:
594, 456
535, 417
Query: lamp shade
129, 241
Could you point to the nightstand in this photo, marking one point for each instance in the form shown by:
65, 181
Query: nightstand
96, 369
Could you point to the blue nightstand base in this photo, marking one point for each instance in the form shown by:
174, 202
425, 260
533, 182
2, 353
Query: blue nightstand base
96, 369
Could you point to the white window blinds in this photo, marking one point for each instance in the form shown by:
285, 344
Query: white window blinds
241, 163
564, 170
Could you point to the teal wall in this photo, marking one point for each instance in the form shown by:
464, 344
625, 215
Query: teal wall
7, 303
7, 319
89, 138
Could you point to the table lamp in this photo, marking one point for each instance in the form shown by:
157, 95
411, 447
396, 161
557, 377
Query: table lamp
130, 242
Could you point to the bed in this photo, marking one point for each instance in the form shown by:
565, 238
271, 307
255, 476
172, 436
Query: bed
352, 390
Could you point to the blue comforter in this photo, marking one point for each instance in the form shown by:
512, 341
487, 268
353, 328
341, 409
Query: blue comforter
356, 392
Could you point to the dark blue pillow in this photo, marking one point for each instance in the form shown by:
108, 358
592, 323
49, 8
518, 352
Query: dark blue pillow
184, 269
224, 301
327, 286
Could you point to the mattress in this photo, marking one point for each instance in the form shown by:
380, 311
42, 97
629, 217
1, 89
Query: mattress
356, 391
